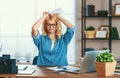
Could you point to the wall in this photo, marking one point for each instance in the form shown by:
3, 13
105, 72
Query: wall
100, 5
17, 18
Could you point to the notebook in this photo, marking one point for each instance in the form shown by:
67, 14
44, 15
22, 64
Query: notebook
22, 67
26, 72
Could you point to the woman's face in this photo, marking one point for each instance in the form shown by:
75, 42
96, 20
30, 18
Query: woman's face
51, 27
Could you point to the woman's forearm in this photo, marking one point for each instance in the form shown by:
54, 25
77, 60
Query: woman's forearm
64, 21
37, 24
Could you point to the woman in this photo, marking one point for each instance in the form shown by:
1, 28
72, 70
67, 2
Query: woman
51, 44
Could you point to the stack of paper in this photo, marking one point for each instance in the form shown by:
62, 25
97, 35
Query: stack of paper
117, 70
71, 69
55, 68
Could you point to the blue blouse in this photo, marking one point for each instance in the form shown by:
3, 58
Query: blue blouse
58, 55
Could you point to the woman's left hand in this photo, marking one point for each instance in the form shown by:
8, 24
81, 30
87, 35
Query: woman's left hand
58, 15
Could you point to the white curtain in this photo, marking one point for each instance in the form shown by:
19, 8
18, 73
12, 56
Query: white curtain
16, 20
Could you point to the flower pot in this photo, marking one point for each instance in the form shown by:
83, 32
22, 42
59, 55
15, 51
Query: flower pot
90, 34
105, 68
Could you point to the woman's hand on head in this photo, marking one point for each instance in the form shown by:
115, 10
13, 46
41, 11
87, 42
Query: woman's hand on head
45, 13
58, 15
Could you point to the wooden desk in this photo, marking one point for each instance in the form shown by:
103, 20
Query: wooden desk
42, 72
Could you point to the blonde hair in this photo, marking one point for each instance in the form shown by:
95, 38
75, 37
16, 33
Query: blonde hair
58, 25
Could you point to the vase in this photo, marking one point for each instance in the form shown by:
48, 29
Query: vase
105, 68
90, 34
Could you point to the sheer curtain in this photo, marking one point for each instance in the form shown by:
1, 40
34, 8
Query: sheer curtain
16, 20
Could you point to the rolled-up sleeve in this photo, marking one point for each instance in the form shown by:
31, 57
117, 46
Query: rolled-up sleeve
37, 39
68, 35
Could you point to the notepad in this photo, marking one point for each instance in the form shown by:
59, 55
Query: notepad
22, 67
71, 69
26, 72
55, 68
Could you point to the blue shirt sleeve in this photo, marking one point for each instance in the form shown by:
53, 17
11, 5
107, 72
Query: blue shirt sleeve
37, 39
68, 35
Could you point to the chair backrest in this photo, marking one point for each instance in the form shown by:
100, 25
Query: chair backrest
35, 60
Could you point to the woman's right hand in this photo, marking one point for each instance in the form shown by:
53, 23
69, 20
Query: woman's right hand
38, 23
45, 13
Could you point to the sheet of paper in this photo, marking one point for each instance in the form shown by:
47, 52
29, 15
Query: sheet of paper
56, 11
26, 72
117, 73
71, 68
22, 67
64, 68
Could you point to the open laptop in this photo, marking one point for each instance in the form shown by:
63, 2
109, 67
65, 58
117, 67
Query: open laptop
87, 64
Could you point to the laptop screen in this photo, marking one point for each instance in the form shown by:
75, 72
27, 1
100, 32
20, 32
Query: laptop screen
87, 64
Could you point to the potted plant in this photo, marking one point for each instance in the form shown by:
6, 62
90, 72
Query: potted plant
104, 48
105, 64
90, 32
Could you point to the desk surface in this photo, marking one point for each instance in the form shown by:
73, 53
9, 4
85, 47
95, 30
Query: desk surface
42, 72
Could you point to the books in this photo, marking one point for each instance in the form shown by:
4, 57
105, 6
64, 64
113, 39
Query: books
91, 10
116, 73
117, 70
114, 33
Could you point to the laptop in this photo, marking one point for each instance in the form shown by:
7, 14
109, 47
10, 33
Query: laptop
87, 64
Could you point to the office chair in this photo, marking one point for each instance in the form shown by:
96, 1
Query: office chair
35, 60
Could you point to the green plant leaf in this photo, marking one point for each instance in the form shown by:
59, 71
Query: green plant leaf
105, 57
90, 28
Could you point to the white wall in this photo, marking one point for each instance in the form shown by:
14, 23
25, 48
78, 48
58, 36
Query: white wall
17, 18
